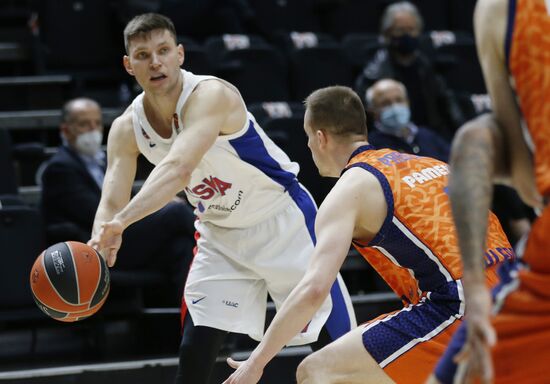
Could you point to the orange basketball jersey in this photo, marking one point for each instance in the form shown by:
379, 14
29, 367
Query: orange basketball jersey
416, 250
528, 54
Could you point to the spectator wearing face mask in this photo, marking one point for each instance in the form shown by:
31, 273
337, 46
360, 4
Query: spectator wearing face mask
71, 189
432, 103
388, 104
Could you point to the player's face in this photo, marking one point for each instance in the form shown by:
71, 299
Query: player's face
154, 60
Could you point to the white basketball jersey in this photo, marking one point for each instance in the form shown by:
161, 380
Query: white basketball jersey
242, 179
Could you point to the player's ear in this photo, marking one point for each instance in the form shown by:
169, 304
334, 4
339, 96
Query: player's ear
322, 137
181, 54
127, 65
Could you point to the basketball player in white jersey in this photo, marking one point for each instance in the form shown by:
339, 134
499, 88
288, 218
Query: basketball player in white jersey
255, 221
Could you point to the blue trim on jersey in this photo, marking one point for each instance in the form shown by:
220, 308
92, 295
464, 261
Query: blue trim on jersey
304, 201
404, 251
509, 31
388, 195
507, 273
338, 322
409, 255
251, 149
359, 150
414, 322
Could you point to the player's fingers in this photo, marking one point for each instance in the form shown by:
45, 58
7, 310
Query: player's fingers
460, 375
233, 364
463, 355
486, 368
491, 336
112, 257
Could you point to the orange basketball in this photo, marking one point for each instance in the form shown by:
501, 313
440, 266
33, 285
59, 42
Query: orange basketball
70, 281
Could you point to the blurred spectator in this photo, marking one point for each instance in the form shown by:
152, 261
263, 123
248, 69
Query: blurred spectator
432, 103
71, 189
388, 104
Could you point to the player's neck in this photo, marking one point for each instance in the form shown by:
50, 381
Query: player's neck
340, 154
163, 105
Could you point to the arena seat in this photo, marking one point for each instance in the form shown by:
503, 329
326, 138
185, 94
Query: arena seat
256, 68
462, 14
7, 170
286, 16
21, 239
316, 67
353, 16
360, 48
455, 57
436, 14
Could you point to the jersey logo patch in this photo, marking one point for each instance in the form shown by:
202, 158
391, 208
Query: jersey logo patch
151, 143
210, 187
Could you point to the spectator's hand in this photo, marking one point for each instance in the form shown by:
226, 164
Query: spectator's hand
475, 357
246, 372
108, 240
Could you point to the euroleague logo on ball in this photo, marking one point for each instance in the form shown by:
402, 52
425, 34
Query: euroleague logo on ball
58, 262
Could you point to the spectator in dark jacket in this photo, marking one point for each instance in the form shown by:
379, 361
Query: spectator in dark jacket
388, 104
432, 103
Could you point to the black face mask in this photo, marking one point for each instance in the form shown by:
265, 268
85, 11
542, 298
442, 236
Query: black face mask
404, 45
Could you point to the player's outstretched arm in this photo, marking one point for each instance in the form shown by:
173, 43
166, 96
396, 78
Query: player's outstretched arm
475, 149
490, 23
122, 153
205, 115
334, 228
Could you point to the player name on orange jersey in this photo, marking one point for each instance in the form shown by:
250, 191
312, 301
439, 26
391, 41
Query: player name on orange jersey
425, 175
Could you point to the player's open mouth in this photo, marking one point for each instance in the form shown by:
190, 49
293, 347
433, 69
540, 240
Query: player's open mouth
158, 78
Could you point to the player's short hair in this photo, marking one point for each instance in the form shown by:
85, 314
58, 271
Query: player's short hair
338, 110
142, 25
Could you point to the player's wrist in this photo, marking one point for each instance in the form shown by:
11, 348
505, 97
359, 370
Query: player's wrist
257, 360
122, 219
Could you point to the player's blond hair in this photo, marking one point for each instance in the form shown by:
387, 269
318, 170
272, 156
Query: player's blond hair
142, 25
338, 110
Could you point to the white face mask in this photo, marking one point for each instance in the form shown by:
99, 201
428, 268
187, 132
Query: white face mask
89, 143
394, 117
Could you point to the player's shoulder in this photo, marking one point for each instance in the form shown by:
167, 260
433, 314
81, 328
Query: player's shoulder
357, 181
484, 6
487, 12
122, 130
214, 91
124, 121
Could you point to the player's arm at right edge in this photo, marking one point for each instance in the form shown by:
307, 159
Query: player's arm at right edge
122, 153
490, 24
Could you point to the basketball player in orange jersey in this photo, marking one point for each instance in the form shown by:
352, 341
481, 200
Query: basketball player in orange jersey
513, 44
393, 207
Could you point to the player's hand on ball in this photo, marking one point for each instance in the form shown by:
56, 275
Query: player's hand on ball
108, 240
246, 372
